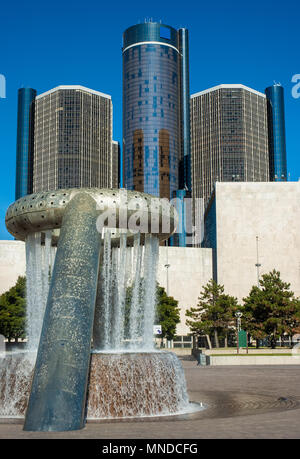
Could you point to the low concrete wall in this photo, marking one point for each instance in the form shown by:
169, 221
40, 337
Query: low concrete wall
179, 351
255, 360
250, 351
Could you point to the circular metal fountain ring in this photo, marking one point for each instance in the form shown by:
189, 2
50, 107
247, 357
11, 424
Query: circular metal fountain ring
44, 211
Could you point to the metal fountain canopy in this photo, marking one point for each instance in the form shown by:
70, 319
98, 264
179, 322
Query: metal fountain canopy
45, 210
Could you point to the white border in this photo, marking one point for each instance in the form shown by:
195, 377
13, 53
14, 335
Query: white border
78, 87
221, 86
150, 43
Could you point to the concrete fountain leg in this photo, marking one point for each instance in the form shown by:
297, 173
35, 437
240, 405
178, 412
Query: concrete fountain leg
58, 393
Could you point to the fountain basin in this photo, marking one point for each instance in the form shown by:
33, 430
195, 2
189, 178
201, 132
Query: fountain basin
16, 372
121, 385
131, 384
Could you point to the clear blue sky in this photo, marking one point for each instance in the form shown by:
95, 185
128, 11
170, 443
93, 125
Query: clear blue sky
45, 44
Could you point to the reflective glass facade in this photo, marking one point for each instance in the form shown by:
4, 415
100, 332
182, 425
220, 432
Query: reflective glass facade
152, 109
276, 126
25, 128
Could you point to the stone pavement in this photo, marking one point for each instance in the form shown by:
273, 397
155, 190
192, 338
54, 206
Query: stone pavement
243, 402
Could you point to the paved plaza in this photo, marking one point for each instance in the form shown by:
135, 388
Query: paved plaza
242, 402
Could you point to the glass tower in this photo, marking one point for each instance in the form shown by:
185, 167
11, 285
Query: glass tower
276, 131
229, 137
73, 145
25, 128
155, 108
185, 177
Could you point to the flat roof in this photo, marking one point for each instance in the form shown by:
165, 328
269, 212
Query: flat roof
228, 86
76, 87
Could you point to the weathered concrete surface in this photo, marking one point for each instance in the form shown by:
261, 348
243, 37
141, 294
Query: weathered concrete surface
58, 393
244, 404
45, 210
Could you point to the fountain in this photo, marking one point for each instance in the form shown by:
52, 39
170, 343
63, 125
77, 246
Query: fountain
91, 258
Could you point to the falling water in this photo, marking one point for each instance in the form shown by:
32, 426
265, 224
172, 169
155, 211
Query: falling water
135, 305
150, 266
16, 368
126, 300
102, 321
137, 384
39, 265
119, 289
16, 371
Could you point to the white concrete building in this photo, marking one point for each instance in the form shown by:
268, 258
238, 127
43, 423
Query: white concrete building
254, 223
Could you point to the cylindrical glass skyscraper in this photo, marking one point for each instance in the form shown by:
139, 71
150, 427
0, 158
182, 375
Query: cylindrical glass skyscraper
25, 136
276, 128
152, 108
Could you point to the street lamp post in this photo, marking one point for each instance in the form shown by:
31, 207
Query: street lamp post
238, 316
257, 264
167, 266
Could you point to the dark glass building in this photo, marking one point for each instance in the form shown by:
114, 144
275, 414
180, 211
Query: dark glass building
229, 137
116, 175
185, 175
276, 132
25, 138
73, 145
155, 109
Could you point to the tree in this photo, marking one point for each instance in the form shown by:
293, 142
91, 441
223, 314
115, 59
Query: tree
13, 311
213, 314
271, 310
168, 313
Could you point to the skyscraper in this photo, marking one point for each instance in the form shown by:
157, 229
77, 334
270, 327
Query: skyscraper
73, 139
185, 176
116, 164
229, 137
25, 132
276, 125
155, 108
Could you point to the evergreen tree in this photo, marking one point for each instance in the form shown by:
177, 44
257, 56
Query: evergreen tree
213, 314
271, 310
168, 313
13, 311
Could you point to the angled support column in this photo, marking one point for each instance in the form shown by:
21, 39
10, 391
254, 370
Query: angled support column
58, 393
